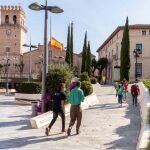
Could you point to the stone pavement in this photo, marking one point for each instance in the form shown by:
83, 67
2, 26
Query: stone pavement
105, 126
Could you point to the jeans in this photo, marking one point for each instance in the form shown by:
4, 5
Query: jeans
120, 99
75, 114
134, 99
55, 115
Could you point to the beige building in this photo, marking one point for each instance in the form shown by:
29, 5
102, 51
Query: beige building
139, 40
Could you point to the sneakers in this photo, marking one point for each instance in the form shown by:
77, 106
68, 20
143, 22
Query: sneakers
68, 131
77, 131
47, 131
64, 130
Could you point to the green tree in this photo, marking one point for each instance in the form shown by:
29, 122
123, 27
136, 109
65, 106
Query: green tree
101, 65
125, 53
71, 45
93, 65
84, 53
68, 54
88, 59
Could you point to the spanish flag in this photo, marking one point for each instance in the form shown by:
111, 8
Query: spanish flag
56, 44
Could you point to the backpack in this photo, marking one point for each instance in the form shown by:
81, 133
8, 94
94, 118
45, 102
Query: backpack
134, 89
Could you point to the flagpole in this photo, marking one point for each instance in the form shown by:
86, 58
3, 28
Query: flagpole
50, 32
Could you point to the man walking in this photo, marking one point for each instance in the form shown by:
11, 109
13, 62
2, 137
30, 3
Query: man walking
135, 91
58, 108
75, 98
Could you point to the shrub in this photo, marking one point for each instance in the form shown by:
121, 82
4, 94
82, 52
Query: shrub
57, 74
148, 117
93, 80
87, 88
147, 84
29, 87
148, 146
84, 77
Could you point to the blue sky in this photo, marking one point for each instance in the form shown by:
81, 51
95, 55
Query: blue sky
98, 17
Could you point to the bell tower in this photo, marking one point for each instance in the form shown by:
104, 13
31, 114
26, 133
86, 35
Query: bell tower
12, 36
12, 29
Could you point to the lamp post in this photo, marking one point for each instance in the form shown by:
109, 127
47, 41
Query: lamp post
136, 55
31, 46
53, 9
6, 69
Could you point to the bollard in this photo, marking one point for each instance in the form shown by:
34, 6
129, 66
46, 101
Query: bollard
34, 105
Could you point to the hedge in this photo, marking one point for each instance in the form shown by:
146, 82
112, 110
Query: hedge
57, 74
84, 76
93, 80
29, 87
87, 88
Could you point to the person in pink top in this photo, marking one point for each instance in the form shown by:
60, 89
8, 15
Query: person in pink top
125, 85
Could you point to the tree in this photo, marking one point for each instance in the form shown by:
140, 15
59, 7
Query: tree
125, 54
71, 45
68, 54
84, 53
102, 64
88, 59
93, 65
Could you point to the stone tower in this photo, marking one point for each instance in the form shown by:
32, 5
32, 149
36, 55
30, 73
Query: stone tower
12, 34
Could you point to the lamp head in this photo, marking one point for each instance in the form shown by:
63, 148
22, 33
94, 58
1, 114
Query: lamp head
55, 9
36, 6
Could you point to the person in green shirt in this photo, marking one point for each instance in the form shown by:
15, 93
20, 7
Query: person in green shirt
120, 91
75, 98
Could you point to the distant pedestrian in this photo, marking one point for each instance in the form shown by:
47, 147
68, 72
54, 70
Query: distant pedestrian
135, 91
75, 98
120, 91
116, 87
125, 85
58, 108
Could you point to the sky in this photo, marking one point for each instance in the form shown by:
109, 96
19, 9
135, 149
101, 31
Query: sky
98, 17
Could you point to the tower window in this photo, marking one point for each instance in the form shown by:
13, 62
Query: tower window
7, 49
143, 32
6, 19
15, 19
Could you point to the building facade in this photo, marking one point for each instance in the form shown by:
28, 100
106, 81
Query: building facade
12, 37
139, 36
15, 63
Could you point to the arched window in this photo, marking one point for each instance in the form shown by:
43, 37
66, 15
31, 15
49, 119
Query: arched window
6, 19
15, 19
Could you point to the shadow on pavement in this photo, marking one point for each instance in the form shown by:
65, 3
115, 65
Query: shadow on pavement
106, 106
24, 123
128, 134
21, 142
7, 103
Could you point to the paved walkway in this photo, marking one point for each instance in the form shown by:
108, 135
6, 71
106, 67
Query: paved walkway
105, 126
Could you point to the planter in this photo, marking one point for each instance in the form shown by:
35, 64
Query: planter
22, 98
144, 101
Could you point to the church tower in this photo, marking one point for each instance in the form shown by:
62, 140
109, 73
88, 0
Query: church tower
12, 34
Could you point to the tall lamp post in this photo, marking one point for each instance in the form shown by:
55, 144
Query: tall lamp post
31, 46
7, 69
136, 55
53, 9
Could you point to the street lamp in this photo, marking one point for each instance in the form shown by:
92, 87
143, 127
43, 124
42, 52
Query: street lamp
53, 9
136, 55
6, 69
31, 46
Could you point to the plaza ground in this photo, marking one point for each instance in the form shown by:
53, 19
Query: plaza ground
105, 126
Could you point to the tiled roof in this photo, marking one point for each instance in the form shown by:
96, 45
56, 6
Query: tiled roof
136, 26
